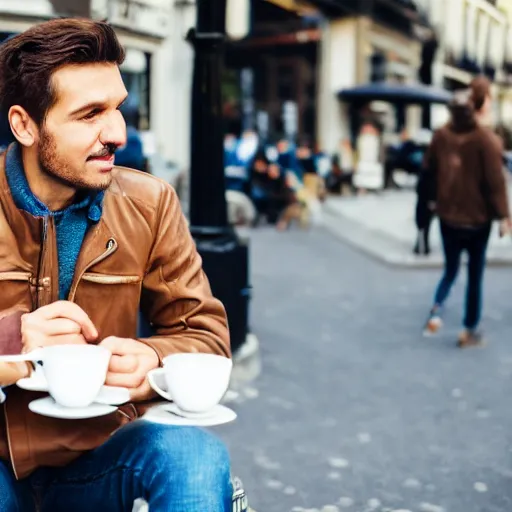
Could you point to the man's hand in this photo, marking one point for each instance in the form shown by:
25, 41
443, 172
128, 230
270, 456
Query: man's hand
58, 323
130, 362
11, 373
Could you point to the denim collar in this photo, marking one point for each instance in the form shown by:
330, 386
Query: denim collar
27, 201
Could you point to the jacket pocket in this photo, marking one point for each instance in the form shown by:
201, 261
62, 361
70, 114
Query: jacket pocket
110, 279
15, 276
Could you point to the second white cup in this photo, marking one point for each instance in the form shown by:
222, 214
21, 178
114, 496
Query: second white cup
195, 382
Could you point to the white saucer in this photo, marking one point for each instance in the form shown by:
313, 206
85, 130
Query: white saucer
173, 407
108, 395
48, 407
113, 395
35, 382
169, 414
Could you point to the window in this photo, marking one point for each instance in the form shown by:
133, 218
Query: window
136, 76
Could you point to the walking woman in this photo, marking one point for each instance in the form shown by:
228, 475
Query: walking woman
464, 165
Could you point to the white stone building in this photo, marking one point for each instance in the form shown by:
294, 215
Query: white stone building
480, 40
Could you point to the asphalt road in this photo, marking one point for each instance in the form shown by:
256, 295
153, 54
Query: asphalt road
354, 410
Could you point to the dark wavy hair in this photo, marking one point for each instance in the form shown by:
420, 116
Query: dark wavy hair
29, 60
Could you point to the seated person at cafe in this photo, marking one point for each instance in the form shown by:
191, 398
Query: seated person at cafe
306, 158
278, 193
337, 177
83, 245
257, 183
287, 158
268, 189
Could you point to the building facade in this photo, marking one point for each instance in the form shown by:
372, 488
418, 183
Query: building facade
301, 53
275, 71
480, 43
364, 41
304, 52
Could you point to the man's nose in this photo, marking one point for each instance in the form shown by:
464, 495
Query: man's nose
114, 130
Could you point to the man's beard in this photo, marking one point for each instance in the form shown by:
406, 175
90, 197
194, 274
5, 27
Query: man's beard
59, 170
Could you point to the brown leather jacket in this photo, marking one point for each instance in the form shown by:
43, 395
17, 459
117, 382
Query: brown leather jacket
465, 164
140, 251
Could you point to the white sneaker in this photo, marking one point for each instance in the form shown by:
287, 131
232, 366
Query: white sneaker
433, 325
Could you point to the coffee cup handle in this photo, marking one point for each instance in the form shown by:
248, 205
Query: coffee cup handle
155, 386
32, 356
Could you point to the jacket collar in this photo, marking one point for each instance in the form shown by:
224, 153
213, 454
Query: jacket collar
25, 199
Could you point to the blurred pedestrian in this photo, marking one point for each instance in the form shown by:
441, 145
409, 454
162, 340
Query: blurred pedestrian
258, 185
338, 177
305, 157
288, 160
278, 193
268, 189
464, 164
424, 213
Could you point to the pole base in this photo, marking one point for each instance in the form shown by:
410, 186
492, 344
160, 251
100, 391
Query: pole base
226, 264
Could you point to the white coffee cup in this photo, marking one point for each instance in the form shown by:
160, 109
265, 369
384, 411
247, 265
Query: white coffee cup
75, 373
195, 382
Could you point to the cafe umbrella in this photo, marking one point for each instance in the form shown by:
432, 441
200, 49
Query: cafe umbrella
404, 94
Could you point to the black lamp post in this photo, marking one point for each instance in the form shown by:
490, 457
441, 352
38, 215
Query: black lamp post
225, 256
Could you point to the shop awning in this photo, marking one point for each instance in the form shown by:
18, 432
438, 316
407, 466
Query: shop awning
405, 94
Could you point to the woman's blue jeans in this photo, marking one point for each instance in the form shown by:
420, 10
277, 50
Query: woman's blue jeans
174, 469
455, 241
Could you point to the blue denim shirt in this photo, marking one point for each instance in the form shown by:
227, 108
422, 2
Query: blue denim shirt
71, 224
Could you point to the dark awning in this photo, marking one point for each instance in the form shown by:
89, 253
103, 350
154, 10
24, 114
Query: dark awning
405, 94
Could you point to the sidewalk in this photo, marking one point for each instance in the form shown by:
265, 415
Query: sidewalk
383, 227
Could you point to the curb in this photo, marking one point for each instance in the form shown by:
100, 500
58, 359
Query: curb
388, 250
373, 243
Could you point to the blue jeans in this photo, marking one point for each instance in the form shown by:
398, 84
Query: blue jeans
455, 241
175, 469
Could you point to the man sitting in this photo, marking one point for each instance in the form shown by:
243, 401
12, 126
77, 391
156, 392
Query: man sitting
82, 245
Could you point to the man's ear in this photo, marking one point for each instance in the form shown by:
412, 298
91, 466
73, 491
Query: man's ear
22, 126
